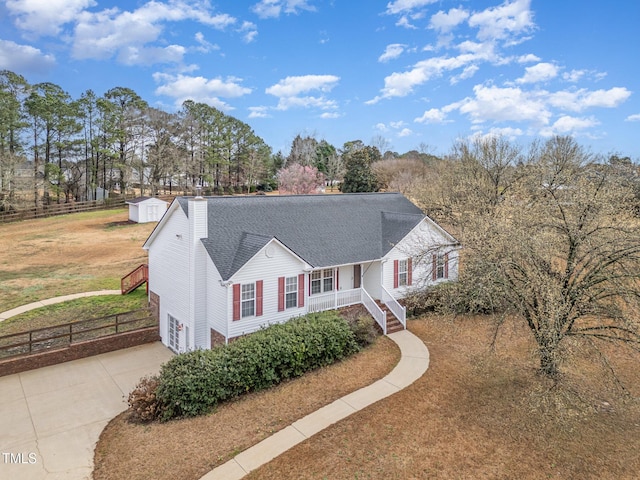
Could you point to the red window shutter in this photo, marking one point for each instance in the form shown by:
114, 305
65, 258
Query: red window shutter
446, 265
409, 272
280, 294
434, 269
259, 287
395, 273
301, 290
236, 301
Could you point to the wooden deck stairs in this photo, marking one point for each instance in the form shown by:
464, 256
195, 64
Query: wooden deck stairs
134, 279
393, 324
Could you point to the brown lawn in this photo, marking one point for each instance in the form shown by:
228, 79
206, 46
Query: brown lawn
187, 449
475, 414
67, 254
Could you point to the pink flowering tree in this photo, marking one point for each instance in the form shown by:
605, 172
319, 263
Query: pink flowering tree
296, 179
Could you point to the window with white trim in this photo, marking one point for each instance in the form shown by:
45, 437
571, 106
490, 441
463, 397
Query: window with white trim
291, 292
403, 277
248, 303
322, 281
440, 270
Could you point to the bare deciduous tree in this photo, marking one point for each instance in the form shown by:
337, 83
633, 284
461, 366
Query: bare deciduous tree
553, 239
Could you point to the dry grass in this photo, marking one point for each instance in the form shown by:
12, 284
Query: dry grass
477, 414
67, 254
187, 449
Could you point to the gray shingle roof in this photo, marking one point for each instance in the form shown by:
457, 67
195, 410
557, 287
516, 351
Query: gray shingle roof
323, 230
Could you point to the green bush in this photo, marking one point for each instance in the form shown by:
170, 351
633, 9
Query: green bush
193, 383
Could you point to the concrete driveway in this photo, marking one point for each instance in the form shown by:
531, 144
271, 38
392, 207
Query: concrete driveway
51, 418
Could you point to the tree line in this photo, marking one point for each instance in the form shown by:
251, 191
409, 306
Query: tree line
68, 148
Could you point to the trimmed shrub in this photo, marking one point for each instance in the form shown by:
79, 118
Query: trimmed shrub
194, 383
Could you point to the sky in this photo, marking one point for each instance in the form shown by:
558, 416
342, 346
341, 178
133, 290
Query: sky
405, 74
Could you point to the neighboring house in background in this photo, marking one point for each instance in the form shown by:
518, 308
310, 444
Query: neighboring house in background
222, 267
146, 209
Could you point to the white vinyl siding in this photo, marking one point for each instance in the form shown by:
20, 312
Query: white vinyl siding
426, 233
279, 263
169, 270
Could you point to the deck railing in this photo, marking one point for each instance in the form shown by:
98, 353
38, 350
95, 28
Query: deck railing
392, 304
134, 279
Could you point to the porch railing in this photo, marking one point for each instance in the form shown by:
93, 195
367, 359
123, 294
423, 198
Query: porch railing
333, 300
344, 298
376, 312
392, 304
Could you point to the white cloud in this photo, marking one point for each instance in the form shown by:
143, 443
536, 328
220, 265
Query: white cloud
392, 51
290, 89
404, 22
540, 72
330, 115
509, 133
151, 55
445, 22
250, 31
505, 22
46, 17
205, 46
200, 89
633, 118
579, 100
405, 132
569, 125
402, 84
292, 86
574, 75
467, 73
103, 34
505, 105
401, 6
24, 58
433, 115
259, 112
528, 58
273, 8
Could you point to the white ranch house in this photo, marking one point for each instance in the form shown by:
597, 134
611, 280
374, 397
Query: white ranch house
222, 267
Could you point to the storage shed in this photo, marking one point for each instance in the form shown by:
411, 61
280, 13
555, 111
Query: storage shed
146, 209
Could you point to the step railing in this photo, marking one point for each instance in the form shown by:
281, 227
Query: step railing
379, 315
392, 304
133, 280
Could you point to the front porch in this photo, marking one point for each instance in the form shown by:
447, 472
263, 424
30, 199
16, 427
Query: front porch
387, 312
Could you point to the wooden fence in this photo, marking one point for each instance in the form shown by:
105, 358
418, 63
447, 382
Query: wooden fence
61, 209
67, 334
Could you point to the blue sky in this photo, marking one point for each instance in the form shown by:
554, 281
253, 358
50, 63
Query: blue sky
413, 72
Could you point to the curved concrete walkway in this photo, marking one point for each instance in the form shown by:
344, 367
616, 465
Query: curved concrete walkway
413, 363
50, 301
51, 418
